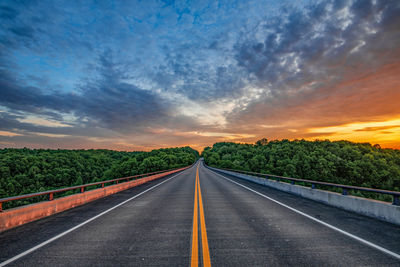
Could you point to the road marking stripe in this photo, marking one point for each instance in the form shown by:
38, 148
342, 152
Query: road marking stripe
204, 239
4, 263
195, 239
198, 205
384, 250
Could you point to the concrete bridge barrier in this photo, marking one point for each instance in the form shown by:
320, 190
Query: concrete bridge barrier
17, 216
368, 207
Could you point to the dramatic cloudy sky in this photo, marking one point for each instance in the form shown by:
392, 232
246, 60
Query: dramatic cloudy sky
140, 75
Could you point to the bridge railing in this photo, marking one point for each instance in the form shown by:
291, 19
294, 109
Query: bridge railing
82, 188
345, 188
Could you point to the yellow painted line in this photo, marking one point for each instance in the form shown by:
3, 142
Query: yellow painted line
195, 240
204, 239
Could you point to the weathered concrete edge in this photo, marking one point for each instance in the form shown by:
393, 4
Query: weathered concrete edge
17, 216
368, 207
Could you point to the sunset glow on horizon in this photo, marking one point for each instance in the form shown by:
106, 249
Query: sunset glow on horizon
153, 74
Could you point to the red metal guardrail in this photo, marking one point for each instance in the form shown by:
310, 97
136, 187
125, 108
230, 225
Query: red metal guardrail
81, 187
345, 188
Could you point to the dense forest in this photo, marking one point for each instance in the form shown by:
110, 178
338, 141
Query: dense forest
341, 162
24, 171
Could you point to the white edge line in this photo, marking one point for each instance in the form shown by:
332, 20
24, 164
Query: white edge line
4, 263
384, 250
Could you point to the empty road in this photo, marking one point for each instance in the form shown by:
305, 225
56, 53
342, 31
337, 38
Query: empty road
200, 217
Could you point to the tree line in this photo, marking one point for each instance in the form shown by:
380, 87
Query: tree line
341, 162
24, 171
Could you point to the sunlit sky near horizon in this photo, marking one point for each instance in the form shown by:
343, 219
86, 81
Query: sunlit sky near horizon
140, 75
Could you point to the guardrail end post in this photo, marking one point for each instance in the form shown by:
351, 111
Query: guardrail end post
396, 201
312, 186
344, 191
82, 189
51, 196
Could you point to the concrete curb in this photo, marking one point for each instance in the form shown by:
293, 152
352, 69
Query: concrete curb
368, 207
21, 215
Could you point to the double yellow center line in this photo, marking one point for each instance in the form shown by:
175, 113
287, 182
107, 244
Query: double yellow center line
198, 204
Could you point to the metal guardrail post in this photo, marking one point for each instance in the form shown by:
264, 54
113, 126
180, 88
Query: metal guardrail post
396, 200
292, 182
51, 196
82, 189
312, 186
1, 206
344, 191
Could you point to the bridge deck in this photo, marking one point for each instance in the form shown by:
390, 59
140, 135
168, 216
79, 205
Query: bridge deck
243, 228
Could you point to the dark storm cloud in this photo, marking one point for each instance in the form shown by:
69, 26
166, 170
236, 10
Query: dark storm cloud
18, 97
317, 47
198, 73
318, 35
9, 122
118, 104
16, 32
25, 32
8, 12
106, 101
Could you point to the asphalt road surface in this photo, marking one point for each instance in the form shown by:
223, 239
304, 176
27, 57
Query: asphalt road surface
199, 217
